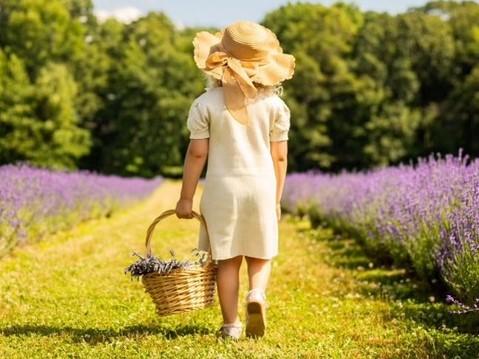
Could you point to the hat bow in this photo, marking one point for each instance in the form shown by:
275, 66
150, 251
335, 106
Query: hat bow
236, 75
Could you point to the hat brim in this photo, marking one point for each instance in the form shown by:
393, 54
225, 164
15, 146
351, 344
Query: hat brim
204, 44
277, 68
280, 67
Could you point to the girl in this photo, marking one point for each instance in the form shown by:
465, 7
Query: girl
241, 125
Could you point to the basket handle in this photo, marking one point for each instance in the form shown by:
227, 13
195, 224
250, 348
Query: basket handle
163, 215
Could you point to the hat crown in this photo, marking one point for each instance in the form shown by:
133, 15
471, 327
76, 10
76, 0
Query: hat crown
249, 41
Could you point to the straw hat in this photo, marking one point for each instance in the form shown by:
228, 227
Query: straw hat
242, 53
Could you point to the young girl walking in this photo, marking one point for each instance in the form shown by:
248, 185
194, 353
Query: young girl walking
240, 124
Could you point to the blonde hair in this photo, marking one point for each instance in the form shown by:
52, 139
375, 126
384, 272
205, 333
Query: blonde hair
212, 82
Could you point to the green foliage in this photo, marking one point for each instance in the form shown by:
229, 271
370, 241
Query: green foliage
60, 141
38, 121
370, 83
41, 31
370, 89
148, 94
322, 38
16, 112
462, 274
459, 122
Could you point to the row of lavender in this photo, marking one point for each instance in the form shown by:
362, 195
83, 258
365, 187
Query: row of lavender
34, 202
424, 215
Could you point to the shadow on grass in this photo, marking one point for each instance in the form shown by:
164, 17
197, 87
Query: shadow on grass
99, 335
411, 300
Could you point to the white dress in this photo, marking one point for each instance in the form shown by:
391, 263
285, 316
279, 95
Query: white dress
239, 192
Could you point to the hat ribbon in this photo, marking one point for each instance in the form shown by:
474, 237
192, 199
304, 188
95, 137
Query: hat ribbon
235, 80
234, 68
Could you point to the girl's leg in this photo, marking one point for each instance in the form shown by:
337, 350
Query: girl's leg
258, 272
228, 288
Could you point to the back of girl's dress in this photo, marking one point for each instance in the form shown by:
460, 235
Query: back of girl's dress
239, 194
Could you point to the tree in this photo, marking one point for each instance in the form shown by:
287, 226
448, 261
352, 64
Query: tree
142, 127
16, 112
61, 141
41, 31
38, 123
369, 88
323, 91
458, 126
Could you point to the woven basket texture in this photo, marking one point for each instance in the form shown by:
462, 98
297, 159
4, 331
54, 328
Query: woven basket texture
182, 290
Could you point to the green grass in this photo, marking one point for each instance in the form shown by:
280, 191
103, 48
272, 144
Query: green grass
68, 297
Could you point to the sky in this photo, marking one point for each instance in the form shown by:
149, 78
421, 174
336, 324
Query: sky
221, 13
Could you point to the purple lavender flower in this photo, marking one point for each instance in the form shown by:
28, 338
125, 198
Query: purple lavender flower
32, 197
425, 215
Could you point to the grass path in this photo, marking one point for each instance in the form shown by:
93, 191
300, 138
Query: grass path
68, 297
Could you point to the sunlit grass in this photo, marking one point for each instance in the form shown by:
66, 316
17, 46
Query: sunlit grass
69, 297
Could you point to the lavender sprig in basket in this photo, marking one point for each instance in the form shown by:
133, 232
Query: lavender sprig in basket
153, 264
176, 286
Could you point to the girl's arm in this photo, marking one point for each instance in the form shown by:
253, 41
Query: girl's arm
195, 160
279, 153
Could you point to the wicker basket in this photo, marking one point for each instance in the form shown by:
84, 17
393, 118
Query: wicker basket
182, 290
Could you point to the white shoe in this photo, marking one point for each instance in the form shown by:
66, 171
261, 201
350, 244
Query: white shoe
256, 313
231, 331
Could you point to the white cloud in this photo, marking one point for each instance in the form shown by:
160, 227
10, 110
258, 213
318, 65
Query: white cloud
124, 14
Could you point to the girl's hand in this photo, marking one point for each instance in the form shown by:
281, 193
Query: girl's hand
278, 211
184, 208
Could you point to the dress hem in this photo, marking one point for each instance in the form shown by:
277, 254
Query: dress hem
246, 255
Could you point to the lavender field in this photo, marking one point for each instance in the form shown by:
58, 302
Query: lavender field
69, 296
423, 216
35, 202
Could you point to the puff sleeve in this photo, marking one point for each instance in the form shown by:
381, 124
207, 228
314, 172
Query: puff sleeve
198, 121
281, 122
